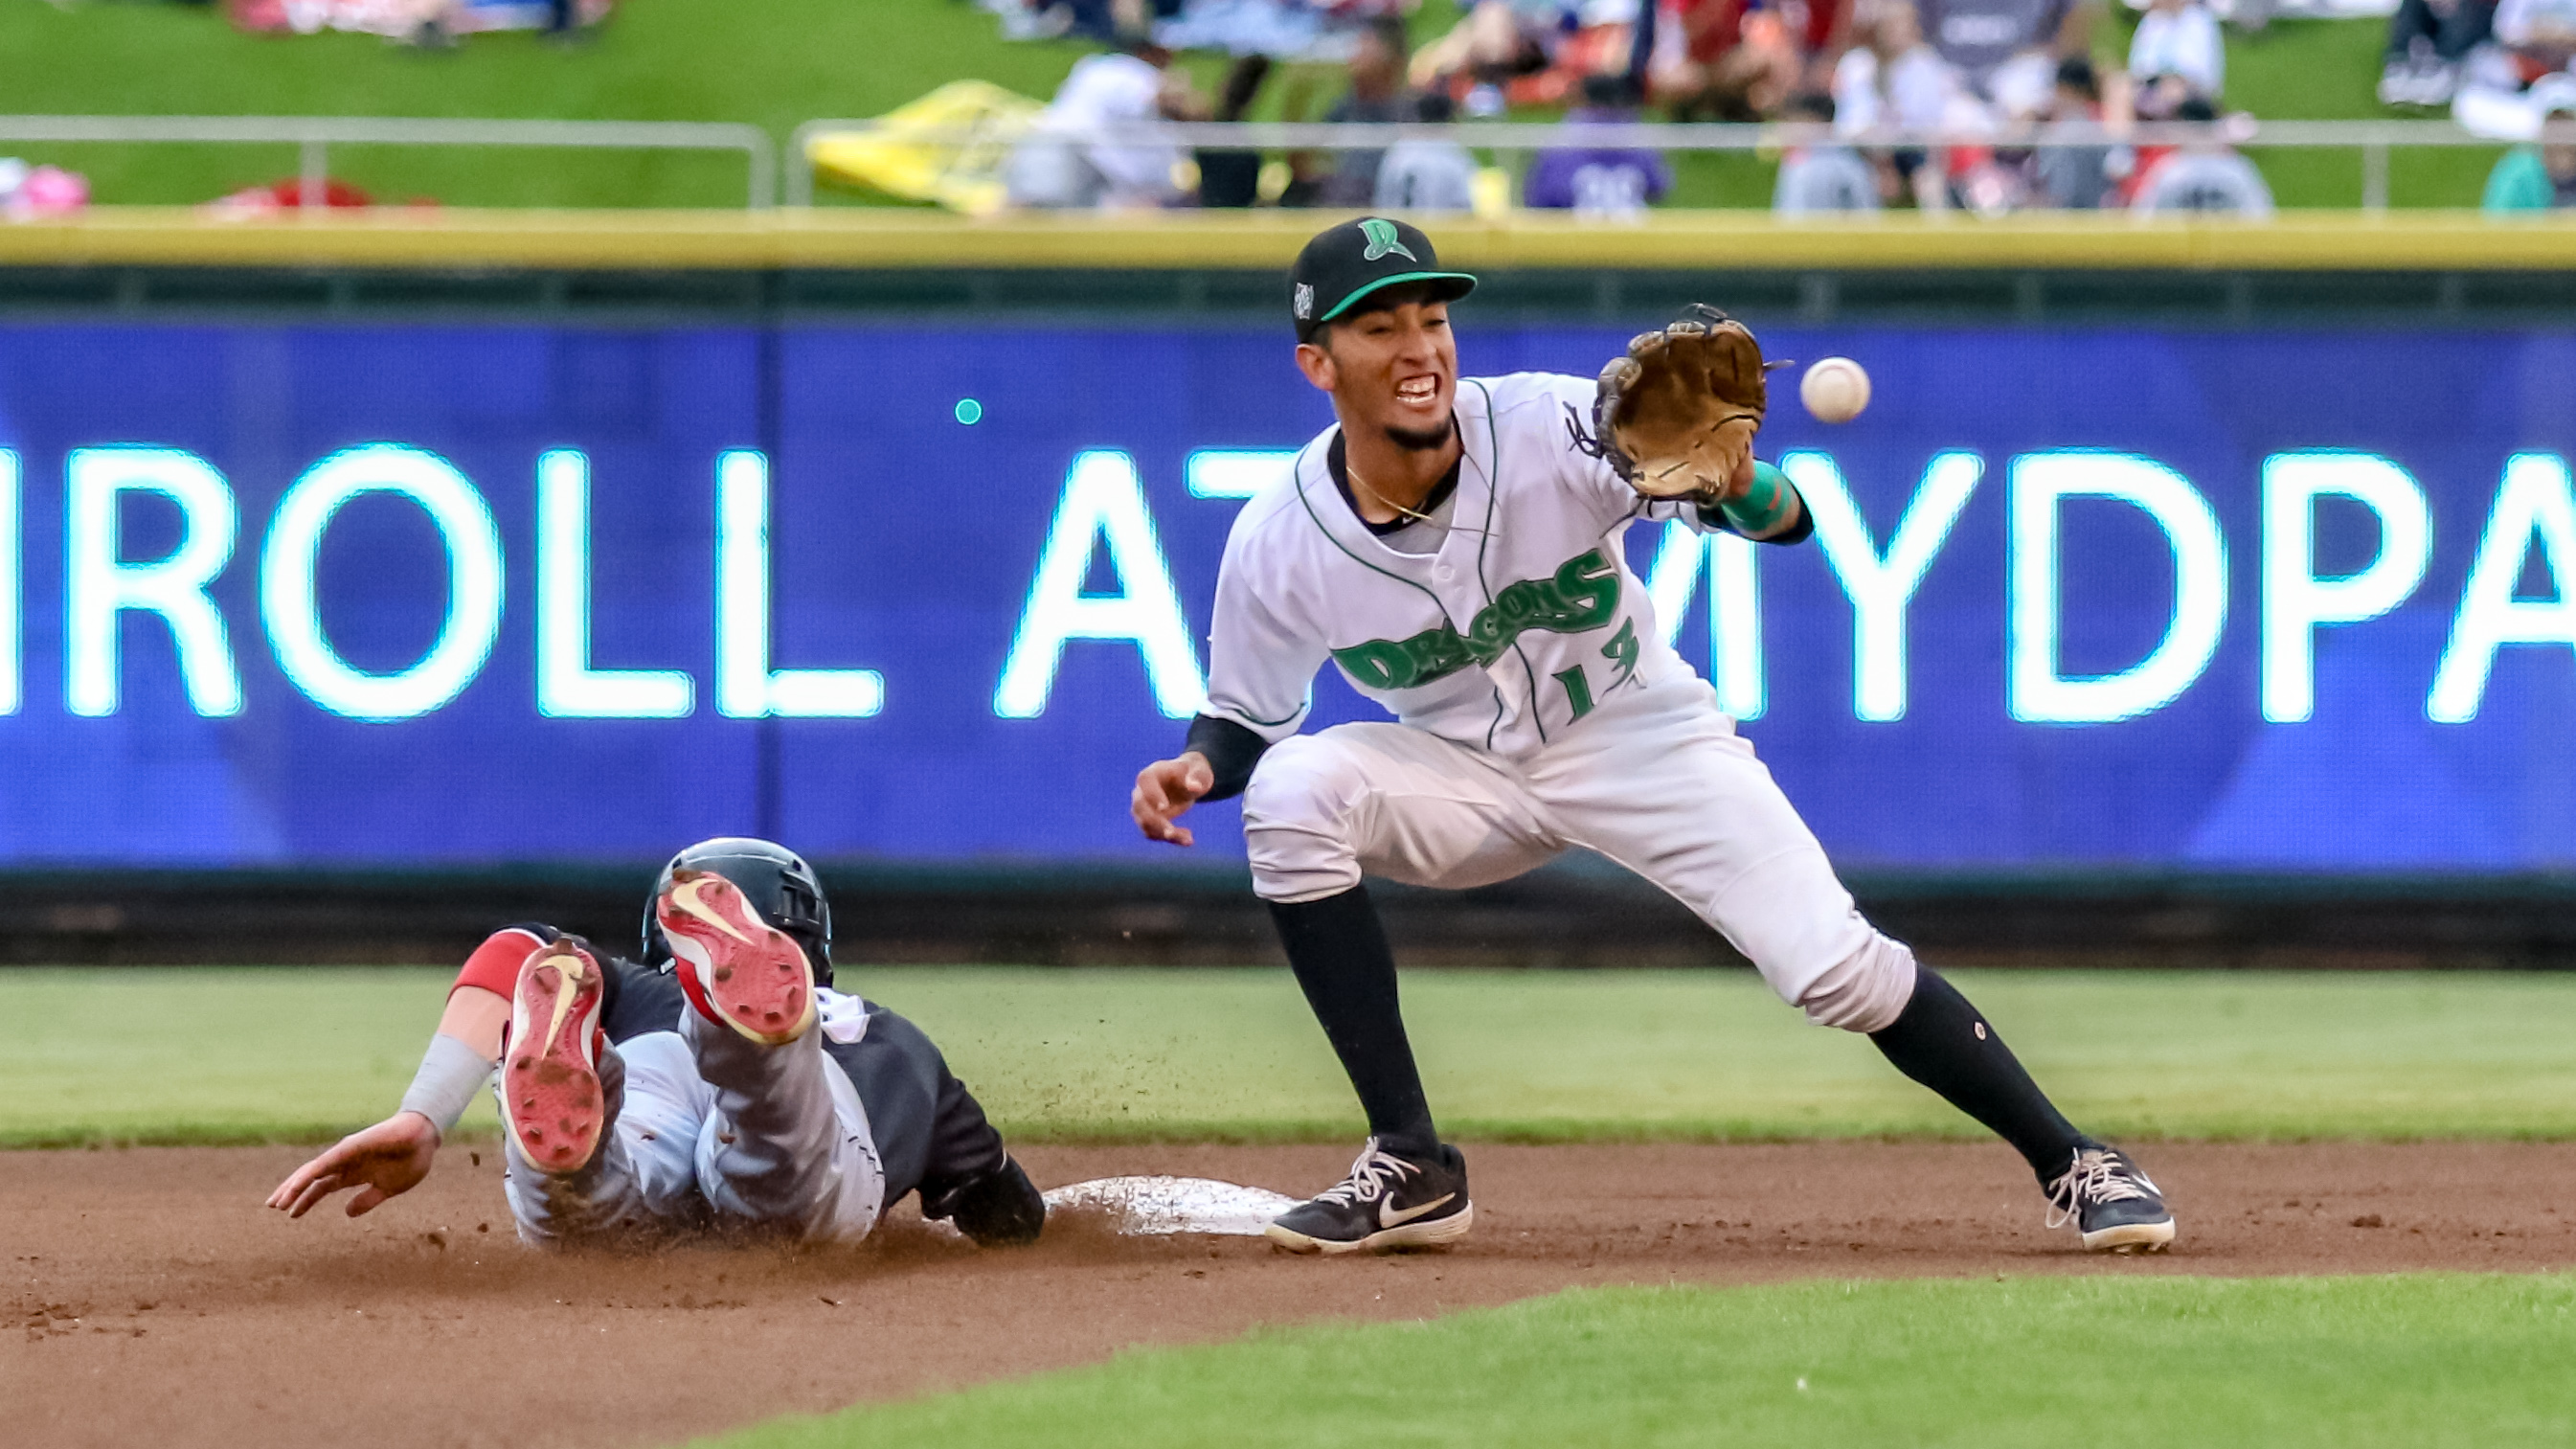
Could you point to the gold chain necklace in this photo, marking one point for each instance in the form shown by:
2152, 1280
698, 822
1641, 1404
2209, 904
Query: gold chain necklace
1381, 499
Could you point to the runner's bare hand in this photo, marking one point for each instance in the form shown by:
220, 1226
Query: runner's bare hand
1164, 789
383, 1161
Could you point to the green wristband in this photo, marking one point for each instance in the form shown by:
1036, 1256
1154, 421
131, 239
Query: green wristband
1763, 505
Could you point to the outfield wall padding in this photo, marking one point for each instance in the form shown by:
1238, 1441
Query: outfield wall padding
889, 238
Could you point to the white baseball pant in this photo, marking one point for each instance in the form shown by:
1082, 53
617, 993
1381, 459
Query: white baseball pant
1655, 779
710, 1130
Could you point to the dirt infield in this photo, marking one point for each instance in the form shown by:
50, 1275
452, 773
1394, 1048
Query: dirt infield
152, 1299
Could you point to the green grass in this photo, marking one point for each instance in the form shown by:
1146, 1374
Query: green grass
2107, 1362
198, 1055
302, 1054
2326, 70
785, 61
778, 65
774, 64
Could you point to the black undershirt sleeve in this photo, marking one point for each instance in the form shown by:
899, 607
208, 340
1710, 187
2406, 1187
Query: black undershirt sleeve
1231, 751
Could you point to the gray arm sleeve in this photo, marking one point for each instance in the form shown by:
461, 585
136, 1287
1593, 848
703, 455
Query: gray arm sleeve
450, 1074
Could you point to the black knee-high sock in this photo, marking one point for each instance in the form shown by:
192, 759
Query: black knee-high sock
1339, 952
1941, 1041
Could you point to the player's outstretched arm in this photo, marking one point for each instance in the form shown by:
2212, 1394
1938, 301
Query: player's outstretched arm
383, 1161
1761, 503
392, 1157
1166, 788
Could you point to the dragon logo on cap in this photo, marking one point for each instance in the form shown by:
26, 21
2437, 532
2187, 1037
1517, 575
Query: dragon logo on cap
1383, 241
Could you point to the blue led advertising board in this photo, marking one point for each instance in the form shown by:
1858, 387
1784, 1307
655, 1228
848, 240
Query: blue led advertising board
386, 595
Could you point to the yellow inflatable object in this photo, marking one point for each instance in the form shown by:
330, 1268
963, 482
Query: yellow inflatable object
896, 157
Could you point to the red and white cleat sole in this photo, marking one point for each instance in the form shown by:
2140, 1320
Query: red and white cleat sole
550, 1096
735, 967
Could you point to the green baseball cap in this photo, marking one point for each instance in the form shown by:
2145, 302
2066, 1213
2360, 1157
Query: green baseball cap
1346, 263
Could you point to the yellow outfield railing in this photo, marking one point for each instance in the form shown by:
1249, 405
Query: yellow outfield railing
899, 239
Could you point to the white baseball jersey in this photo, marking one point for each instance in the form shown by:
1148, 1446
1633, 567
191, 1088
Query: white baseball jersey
1524, 619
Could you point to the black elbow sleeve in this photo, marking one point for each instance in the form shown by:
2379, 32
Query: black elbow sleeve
1231, 750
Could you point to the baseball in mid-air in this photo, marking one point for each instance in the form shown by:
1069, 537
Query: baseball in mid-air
1835, 390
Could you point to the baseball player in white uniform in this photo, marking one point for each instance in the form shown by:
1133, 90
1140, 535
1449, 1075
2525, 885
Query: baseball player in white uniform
1454, 546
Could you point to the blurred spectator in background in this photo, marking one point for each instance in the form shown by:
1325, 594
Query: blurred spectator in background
1376, 97
2177, 54
1102, 20
1427, 175
1233, 178
2428, 43
1599, 182
2535, 178
2204, 175
1741, 64
1298, 178
1057, 166
2006, 51
292, 194
1893, 80
1496, 42
27, 191
2074, 177
1277, 28
2509, 86
1826, 176
436, 24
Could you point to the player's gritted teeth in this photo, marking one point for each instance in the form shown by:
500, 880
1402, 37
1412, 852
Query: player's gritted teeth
1418, 399
1392, 367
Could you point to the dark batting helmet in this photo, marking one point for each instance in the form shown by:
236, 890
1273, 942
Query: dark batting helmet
777, 882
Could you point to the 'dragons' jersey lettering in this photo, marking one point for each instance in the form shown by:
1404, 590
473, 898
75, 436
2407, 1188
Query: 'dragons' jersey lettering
1520, 620
1582, 594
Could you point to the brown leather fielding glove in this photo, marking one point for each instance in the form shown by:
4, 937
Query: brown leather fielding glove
1676, 415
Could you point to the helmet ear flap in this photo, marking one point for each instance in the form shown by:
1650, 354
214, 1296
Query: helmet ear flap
799, 903
651, 949
804, 915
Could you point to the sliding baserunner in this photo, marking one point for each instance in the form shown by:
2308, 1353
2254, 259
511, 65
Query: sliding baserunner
719, 1084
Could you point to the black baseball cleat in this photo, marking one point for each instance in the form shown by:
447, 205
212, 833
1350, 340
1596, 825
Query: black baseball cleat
1386, 1205
2117, 1207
